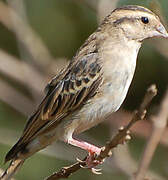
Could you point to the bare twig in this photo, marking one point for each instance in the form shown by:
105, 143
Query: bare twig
16, 68
25, 75
105, 7
18, 101
117, 139
138, 115
122, 117
4, 16
159, 125
29, 40
122, 157
124, 161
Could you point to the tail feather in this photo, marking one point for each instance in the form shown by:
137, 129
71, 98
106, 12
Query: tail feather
14, 166
13, 151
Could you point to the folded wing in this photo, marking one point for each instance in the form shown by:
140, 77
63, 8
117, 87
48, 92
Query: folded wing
67, 92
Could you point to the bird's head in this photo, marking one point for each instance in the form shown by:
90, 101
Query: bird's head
136, 22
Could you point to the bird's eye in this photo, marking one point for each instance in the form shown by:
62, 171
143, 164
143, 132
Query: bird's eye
145, 20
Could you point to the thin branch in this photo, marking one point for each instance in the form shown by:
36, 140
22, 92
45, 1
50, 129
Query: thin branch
34, 46
16, 68
28, 38
58, 150
159, 126
25, 75
122, 158
65, 172
122, 117
14, 21
128, 165
4, 16
16, 100
104, 7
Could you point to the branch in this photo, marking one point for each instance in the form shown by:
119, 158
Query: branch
104, 7
4, 16
159, 126
29, 39
122, 117
65, 172
15, 99
21, 72
127, 164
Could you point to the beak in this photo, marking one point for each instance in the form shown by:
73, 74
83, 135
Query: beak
162, 31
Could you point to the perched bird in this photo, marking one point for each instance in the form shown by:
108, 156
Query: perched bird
92, 86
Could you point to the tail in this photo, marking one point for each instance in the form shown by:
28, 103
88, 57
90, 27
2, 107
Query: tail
14, 166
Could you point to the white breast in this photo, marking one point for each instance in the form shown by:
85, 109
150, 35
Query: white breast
118, 74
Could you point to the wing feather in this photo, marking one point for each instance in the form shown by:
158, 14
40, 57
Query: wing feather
66, 93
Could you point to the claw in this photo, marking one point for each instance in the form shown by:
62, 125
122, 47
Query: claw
84, 167
79, 160
96, 171
90, 162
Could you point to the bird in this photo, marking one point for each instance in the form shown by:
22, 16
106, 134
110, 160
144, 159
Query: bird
93, 85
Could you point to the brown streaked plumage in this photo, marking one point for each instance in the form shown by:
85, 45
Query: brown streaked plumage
93, 85
67, 92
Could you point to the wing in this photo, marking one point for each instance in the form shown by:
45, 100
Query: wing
67, 92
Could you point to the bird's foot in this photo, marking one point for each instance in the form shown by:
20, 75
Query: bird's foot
91, 163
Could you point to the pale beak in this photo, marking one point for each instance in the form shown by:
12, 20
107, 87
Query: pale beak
162, 31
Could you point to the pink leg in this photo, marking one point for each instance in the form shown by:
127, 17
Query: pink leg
86, 146
90, 161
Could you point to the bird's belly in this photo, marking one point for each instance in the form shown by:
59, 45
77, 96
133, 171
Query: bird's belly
95, 112
101, 106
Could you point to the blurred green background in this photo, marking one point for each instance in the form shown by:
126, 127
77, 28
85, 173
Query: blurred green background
63, 25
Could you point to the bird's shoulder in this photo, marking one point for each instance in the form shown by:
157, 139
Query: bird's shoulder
82, 66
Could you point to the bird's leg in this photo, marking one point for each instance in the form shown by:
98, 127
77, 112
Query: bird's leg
91, 149
84, 145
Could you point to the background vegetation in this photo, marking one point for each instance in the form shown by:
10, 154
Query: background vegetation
37, 38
